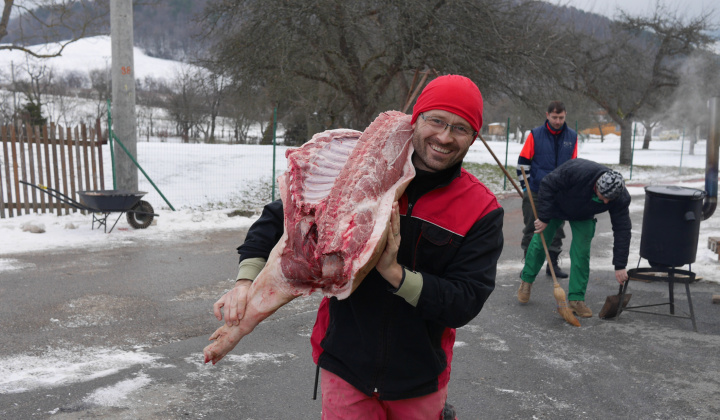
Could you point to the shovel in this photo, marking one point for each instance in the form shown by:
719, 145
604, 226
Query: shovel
612, 304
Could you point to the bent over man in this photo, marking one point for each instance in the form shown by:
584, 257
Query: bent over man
576, 191
386, 350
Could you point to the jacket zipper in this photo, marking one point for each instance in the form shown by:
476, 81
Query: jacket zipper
380, 372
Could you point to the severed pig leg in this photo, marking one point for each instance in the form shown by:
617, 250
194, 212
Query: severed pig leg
266, 295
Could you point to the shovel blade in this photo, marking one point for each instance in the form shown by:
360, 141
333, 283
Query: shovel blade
612, 304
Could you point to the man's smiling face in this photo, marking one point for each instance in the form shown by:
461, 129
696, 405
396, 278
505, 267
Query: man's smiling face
435, 149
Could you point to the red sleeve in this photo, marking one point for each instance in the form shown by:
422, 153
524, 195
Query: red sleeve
575, 151
528, 150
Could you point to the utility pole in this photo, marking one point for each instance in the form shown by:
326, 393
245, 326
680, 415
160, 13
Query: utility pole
123, 92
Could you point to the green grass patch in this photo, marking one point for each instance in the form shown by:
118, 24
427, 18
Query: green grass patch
492, 176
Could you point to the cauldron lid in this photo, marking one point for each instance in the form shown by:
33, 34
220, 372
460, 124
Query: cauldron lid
674, 191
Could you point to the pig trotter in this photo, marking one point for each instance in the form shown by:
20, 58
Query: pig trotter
225, 339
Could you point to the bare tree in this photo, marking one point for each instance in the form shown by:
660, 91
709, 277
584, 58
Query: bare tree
63, 109
44, 21
183, 104
649, 125
7, 107
600, 118
100, 84
34, 81
213, 87
522, 116
631, 64
245, 107
362, 52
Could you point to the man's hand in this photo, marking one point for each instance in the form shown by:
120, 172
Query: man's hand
234, 302
539, 226
387, 265
621, 276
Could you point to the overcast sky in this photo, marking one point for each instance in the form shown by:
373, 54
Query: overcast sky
687, 8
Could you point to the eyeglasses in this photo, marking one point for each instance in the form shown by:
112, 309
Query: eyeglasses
457, 131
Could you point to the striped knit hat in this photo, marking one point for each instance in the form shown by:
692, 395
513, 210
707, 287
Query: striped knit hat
610, 184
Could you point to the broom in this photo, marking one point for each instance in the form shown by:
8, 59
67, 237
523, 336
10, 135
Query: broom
558, 291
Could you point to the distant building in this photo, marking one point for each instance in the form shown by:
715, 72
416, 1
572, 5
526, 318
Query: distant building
609, 128
496, 129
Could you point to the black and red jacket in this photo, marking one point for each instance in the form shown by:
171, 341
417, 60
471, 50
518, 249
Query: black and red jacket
568, 193
451, 233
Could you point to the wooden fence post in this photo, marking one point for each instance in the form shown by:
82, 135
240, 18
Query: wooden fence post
48, 174
85, 155
6, 164
31, 159
40, 175
63, 162
71, 164
15, 171
56, 178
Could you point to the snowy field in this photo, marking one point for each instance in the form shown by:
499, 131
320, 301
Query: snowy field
205, 168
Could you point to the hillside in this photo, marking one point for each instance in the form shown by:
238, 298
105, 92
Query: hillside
88, 54
163, 29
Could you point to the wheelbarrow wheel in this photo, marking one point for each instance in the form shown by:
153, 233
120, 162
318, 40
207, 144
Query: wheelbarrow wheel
144, 218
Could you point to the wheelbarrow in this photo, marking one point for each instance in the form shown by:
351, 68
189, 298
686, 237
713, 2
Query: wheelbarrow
101, 203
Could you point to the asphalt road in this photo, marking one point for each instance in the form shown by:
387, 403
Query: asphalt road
154, 300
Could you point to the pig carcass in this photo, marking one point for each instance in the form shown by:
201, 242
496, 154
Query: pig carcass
337, 198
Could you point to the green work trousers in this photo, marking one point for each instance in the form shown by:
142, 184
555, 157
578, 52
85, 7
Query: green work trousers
555, 244
582, 233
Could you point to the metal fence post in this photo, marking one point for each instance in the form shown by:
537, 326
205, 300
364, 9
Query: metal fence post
274, 150
632, 154
507, 146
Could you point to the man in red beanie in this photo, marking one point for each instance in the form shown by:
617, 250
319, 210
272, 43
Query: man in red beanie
386, 350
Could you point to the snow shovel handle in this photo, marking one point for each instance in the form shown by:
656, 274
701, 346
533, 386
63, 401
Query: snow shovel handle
542, 237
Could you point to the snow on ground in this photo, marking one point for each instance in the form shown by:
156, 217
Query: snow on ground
21, 373
74, 231
61, 366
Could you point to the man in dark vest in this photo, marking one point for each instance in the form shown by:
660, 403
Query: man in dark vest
546, 147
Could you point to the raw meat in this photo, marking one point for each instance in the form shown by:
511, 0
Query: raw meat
337, 195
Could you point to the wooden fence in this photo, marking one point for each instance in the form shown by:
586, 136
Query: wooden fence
62, 158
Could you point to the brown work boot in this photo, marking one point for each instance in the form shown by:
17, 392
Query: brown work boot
524, 292
580, 308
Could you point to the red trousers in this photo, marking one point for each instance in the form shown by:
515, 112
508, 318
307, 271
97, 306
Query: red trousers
340, 400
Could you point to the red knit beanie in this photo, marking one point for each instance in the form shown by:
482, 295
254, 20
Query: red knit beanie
452, 93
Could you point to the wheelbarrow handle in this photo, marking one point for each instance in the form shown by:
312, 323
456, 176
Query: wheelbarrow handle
60, 196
